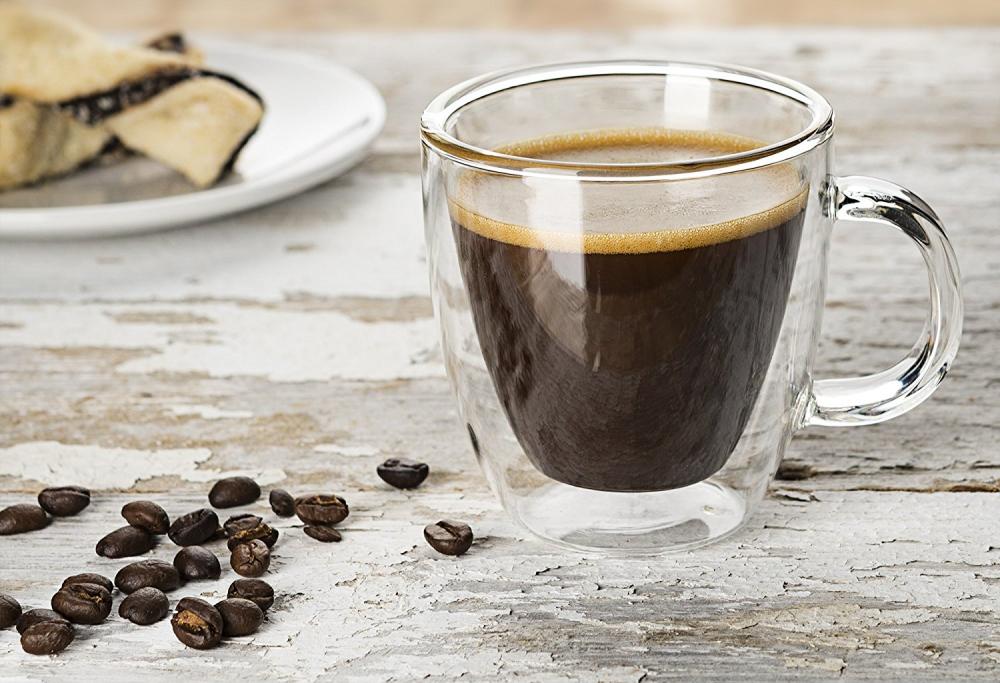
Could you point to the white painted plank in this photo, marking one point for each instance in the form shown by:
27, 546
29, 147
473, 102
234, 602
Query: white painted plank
155, 364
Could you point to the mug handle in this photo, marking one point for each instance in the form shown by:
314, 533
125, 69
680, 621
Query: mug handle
876, 398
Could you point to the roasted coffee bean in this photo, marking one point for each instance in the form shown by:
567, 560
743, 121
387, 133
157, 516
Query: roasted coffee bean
282, 502
10, 611
403, 474
146, 515
83, 603
195, 562
246, 520
256, 591
37, 616
87, 577
64, 501
197, 624
264, 532
127, 541
155, 573
250, 559
47, 638
233, 491
194, 528
321, 508
244, 528
321, 532
17, 519
449, 537
145, 606
240, 617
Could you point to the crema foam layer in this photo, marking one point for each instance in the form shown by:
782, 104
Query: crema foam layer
558, 214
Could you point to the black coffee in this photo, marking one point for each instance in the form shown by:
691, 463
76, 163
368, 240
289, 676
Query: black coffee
630, 358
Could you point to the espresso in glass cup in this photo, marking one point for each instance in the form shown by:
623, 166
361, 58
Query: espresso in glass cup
628, 262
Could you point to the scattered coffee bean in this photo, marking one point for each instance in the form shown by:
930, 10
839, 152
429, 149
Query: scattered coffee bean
146, 515
321, 508
197, 624
282, 502
448, 537
257, 591
37, 616
83, 603
64, 501
244, 528
245, 520
233, 491
403, 474
23, 517
10, 611
127, 541
145, 606
47, 638
250, 559
155, 573
90, 578
195, 562
321, 532
194, 528
240, 617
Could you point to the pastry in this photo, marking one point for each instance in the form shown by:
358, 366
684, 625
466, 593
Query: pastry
157, 100
40, 141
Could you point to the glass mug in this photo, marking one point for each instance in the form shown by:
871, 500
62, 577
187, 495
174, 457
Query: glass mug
628, 265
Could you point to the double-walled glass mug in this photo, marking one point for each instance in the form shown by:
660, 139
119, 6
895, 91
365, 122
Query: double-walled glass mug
628, 263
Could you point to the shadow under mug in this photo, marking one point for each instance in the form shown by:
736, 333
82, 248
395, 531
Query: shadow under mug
628, 265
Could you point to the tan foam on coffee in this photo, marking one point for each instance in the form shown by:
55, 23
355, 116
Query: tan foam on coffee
779, 181
561, 147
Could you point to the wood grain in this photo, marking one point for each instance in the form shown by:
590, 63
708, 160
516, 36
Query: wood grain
380, 15
153, 365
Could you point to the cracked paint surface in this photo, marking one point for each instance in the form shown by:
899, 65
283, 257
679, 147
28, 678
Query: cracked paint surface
295, 344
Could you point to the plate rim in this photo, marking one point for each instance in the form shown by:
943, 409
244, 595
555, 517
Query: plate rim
316, 166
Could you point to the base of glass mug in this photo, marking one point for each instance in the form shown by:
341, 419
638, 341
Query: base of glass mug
613, 523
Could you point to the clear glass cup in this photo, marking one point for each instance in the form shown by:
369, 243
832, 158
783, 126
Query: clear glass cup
628, 264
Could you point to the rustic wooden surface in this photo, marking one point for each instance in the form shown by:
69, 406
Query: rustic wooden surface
295, 344
342, 15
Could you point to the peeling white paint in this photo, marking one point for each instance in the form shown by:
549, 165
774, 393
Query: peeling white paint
54, 463
347, 451
851, 583
378, 216
210, 412
283, 346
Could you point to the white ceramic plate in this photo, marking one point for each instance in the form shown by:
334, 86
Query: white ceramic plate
320, 120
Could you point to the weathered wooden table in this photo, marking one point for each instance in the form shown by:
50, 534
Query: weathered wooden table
295, 344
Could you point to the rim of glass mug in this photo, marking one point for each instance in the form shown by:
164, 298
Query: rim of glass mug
434, 122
